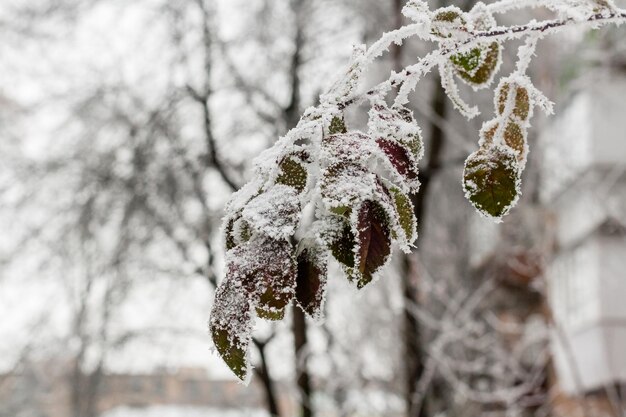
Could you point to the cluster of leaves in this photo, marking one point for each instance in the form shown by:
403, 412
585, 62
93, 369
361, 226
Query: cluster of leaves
323, 191
476, 66
357, 185
492, 174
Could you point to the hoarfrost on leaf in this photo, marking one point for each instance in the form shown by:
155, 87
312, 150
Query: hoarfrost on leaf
274, 213
355, 187
311, 281
231, 327
491, 180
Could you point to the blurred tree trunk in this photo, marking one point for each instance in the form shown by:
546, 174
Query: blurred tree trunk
213, 161
291, 115
413, 353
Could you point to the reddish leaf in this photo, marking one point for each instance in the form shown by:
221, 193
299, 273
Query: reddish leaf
311, 283
399, 157
373, 239
267, 270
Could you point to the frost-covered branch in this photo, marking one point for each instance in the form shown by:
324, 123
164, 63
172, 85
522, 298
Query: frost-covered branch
326, 190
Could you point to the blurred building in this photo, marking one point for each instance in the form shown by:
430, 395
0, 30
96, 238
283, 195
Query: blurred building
584, 185
43, 391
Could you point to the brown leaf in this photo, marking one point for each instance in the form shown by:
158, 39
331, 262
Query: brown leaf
311, 282
373, 239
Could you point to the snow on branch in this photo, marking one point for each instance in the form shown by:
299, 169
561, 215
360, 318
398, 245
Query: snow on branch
325, 190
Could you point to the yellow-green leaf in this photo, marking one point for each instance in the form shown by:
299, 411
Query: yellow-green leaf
406, 215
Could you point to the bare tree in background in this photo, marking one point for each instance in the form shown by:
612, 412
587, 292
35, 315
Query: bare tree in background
144, 199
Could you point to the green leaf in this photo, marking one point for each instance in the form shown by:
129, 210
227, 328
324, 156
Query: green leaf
343, 211
292, 173
311, 282
230, 325
478, 66
229, 238
406, 215
415, 145
491, 180
467, 62
270, 314
337, 126
237, 231
374, 240
342, 247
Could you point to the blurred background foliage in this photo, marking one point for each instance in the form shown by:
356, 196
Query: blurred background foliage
126, 126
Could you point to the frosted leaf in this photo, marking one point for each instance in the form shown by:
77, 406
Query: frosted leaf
417, 10
266, 268
452, 91
238, 232
397, 124
274, 213
402, 162
491, 180
520, 100
448, 22
344, 185
353, 147
400, 140
240, 198
311, 281
342, 247
293, 171
481, 17
478, 66
373, 242
405, 217
487, 133
349, 82
231, 326
513, 136
337, 126
234, 230
362, 246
